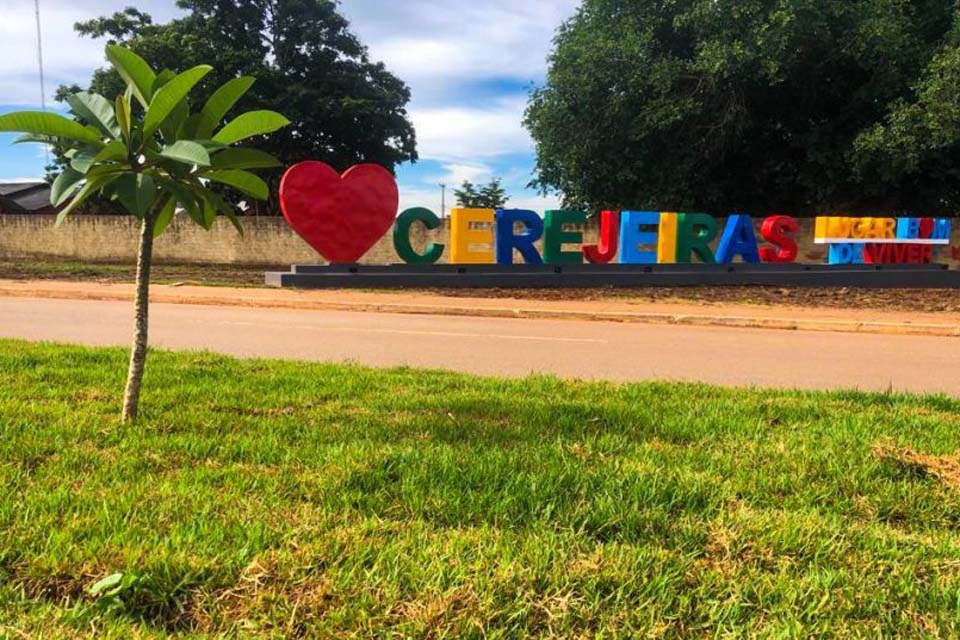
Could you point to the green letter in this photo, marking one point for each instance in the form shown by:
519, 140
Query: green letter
695, 232
401, 236
555, 237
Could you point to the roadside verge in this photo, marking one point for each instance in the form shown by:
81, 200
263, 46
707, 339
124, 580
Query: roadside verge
420, 303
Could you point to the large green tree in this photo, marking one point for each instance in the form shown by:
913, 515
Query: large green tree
759, 105
307, 63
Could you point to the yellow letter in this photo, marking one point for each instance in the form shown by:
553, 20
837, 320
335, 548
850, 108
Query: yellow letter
463, 239
839, 227
820, 231
889, 228
860, 228
667, 239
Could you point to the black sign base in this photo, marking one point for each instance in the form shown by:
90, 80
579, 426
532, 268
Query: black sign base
491, 276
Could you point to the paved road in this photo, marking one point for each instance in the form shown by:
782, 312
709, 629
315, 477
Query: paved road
592, 350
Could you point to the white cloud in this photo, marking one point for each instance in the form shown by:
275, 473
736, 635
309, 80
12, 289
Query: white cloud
457, 173
20, 179
456, 133
535, 203
433, 45
67, 57
467, 62
430, 198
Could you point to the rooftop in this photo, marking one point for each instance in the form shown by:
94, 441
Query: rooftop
24, 197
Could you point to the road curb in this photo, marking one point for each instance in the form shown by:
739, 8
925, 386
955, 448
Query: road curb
639, 317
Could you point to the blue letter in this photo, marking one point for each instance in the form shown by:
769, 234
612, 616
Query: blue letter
738, 239
908, 228
631, 237
942, 229
846, 253
507, 242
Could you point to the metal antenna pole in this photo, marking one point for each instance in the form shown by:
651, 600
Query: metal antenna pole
43, 84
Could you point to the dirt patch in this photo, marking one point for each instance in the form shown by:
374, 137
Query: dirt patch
261, 598
57, 588
944, 469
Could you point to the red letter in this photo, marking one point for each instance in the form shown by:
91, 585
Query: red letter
878, 253
609, 238
775, 230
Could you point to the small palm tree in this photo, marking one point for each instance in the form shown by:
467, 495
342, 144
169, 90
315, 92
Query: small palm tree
154, 157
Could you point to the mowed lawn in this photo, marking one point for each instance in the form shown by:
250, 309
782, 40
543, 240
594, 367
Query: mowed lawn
288, 500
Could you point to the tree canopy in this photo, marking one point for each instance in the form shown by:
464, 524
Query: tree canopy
802, 106
489, 196
345, 108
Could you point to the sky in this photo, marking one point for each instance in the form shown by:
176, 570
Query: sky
470, 65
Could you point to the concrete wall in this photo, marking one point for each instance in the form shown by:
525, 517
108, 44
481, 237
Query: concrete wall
266, 241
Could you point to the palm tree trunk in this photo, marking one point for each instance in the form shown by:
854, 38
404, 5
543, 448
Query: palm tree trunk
138, 354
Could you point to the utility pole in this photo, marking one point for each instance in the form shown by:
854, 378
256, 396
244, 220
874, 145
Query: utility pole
43, 85
443, 201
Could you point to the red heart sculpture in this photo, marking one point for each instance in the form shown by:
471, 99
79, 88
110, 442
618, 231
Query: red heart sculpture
341, 217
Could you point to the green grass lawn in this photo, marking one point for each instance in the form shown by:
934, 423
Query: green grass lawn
270, 499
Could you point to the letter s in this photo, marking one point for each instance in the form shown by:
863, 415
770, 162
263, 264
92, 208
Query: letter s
778, 231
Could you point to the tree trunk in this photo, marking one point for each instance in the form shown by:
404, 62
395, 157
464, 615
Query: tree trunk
138, 353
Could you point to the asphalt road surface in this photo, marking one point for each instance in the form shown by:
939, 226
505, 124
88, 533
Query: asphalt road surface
493, 346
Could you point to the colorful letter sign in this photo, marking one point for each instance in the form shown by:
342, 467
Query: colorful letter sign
342, 217
882, 240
